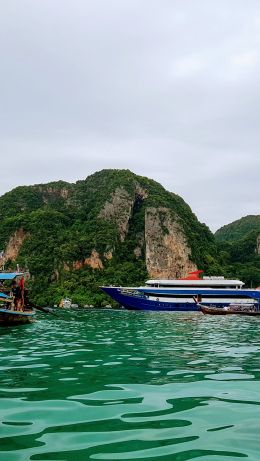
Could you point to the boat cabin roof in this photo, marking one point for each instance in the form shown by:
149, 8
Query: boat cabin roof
204, 282
9, 275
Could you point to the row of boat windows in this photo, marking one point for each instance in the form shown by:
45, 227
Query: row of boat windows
196, 286
175, 296
198, 297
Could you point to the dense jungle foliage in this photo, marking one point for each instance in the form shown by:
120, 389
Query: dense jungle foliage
239, 229
63, 224
237, 243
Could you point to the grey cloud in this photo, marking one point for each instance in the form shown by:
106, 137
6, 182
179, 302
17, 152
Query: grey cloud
168, 89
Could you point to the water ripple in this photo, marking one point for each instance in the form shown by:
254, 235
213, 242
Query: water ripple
117, 385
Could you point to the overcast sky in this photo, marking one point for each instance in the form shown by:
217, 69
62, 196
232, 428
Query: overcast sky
167, 88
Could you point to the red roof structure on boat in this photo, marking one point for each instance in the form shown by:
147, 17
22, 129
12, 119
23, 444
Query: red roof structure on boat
193, 275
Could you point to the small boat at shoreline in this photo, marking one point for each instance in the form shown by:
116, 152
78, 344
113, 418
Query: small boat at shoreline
242, 309
15, 308
9, 317
66, 303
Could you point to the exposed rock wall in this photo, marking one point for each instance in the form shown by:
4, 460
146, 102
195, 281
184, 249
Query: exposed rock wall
14, 246
140, 192
138, 251
50, 191
119, 209
167, 251
93, 261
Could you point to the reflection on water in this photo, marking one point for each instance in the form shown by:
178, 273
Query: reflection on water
118, 385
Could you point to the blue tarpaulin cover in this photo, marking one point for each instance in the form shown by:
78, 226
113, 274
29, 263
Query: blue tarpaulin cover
9, 275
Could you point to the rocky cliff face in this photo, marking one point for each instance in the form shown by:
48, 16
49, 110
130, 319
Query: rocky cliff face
50, 192
13, 246
93, 261
167, 252
118, 209
112, 228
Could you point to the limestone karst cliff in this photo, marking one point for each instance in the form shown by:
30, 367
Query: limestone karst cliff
167, 254
114, 227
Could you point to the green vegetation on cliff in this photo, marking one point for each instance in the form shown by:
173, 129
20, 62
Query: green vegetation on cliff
239, 229
239, 247
75, 237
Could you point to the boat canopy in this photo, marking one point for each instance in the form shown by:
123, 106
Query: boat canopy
9, 275
3, 295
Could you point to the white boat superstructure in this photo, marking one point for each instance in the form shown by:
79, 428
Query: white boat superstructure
205, 282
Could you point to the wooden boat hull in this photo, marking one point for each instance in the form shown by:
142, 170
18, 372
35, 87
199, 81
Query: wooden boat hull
221, 311
9, 317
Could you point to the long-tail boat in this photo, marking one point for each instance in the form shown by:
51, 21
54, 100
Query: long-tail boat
9, 317
14, 306
242, 309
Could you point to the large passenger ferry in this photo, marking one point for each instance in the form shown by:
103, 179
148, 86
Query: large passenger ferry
184, 294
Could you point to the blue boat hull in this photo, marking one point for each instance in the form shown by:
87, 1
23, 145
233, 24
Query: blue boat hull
142, 303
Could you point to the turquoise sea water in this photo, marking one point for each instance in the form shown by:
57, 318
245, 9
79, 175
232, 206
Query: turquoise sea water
118, 385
